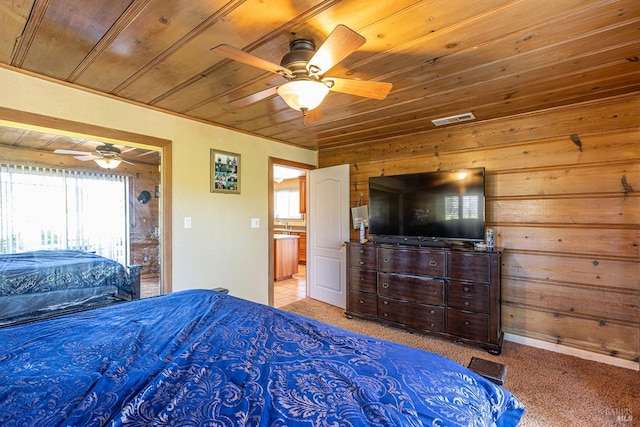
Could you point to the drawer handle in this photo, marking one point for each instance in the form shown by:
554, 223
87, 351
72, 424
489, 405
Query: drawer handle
386, 303
386, 315
361, 251
361, 302
361, 262
432, 263
385, 260
385, 285
432, 311
466, 289
466, 303
432, 325
467, 323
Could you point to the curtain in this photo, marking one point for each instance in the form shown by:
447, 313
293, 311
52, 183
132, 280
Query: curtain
47, 208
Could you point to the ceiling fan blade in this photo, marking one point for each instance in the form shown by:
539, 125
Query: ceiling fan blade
74, 152
86, 157
342, 42
241, 56
313, 115
254, 97
367, 89
126, 161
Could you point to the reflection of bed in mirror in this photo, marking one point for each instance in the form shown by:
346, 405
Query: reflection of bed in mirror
43, 283
201, 357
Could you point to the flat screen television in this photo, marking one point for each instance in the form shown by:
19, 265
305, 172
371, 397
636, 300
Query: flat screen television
429, 208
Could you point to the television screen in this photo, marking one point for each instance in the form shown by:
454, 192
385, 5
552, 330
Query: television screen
418, 207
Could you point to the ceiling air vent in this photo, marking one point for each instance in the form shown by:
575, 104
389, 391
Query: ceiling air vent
453, 119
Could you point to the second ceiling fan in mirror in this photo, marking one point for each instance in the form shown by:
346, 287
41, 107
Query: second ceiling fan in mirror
107, 156
305, 69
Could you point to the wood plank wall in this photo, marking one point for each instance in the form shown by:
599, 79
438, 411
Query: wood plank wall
145, 224
562, 193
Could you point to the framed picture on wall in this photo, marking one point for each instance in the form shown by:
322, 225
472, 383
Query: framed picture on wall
225, 172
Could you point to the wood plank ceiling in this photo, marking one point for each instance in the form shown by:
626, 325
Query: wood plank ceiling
493, 58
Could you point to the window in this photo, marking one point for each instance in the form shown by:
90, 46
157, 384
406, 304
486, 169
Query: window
468, 209
287, 203
451, 207
44, 208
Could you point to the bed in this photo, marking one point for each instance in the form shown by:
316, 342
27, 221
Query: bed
201, 357
37, 284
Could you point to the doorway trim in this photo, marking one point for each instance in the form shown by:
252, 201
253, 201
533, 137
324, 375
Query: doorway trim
273, 161
88, 130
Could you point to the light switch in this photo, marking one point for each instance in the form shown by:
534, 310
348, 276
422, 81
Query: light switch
255, 222
187, 222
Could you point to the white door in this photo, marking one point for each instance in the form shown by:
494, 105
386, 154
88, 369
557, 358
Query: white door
328, 227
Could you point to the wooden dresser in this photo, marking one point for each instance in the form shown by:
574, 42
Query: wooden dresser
451, 293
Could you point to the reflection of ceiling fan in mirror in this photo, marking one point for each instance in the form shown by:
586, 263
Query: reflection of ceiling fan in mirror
106, 156
305, 68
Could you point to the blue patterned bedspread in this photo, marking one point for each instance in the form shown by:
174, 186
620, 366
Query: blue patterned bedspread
198, 358
46, 271
43, 283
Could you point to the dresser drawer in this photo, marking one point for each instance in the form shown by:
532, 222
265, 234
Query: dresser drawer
413, 262
362, 256
362, 302
362, 280
468, 296
475, 267
429, 318
473, 326
411, 288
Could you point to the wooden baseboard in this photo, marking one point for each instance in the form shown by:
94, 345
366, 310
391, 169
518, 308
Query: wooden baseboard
628, 364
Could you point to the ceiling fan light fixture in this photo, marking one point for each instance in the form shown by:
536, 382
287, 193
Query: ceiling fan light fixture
108, 162
303, 95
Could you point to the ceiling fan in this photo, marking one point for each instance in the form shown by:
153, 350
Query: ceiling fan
304, 67
106, 156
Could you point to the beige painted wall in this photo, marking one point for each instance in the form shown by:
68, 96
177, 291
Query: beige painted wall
221, 249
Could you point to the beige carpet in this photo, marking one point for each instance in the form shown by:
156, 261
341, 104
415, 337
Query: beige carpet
557, 390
